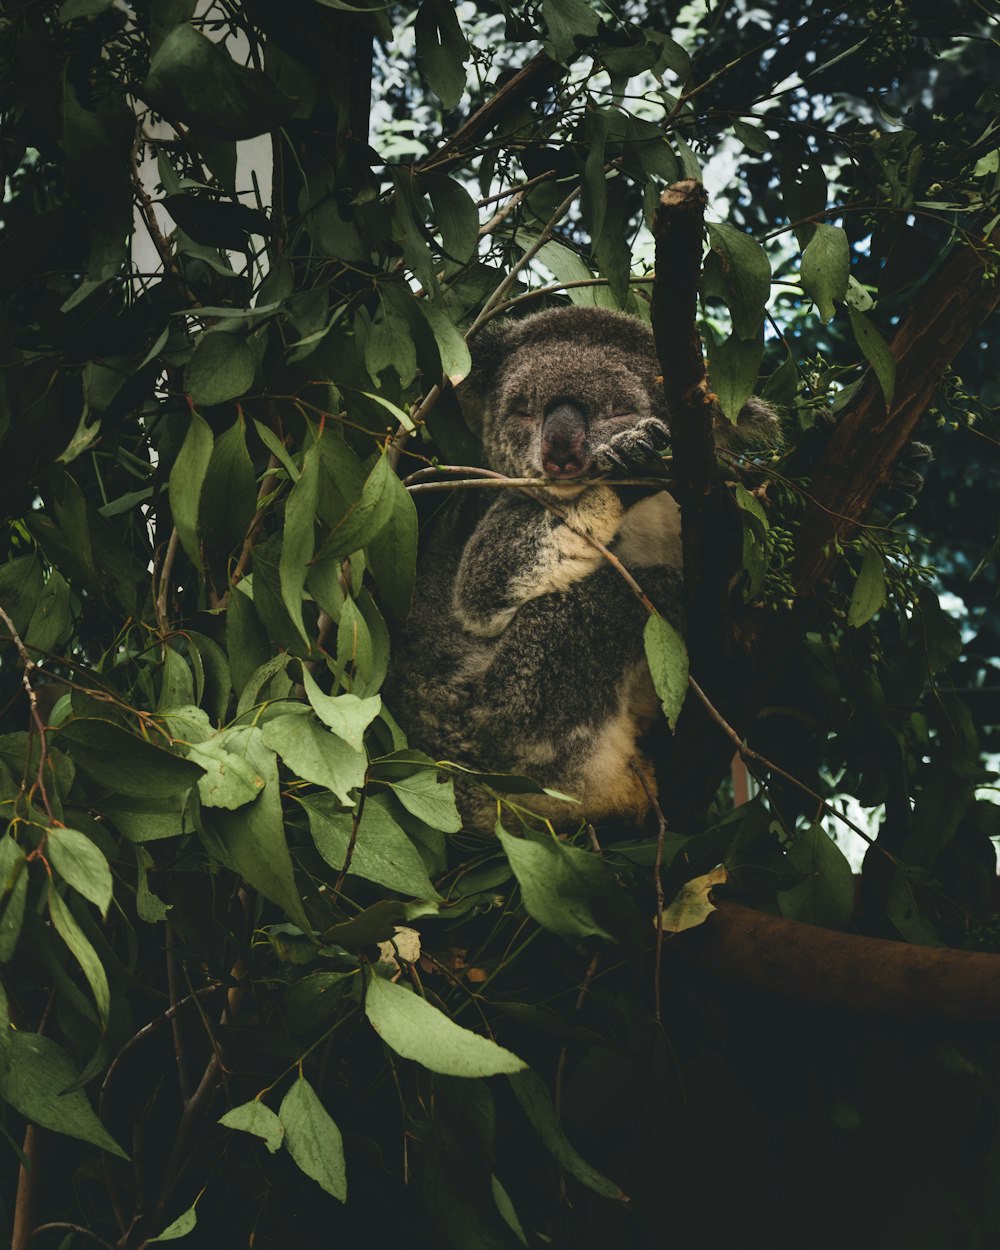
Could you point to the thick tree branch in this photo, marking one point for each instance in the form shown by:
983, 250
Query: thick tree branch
868, 440
531, 80
710, 528
842, 970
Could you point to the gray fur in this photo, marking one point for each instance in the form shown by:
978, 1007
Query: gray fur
524, 649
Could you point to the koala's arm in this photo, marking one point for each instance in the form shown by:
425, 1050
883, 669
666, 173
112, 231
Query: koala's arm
520, 551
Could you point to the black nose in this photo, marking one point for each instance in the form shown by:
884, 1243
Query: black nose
564, 440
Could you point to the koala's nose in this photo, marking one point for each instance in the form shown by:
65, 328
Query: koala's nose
564, 440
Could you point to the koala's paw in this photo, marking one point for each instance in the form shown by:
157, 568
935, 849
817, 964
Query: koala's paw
636, 448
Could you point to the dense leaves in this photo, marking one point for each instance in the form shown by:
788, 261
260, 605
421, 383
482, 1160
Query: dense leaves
243, 933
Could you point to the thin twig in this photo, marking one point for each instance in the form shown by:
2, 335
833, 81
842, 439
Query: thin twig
60, 1226
162, 622
180, 1049
661, 834
489, 309
350, 846
40, 727
750, 755
522, 483
554, 287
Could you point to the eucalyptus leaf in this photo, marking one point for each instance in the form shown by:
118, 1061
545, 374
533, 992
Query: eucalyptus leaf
383, 853
124, 763
876, 352
314, 753
869, 592
537, 1106
83, 952
313, 1139
410, 1026
81, 864
187, 477
826, 267
298, 539
196, 80
256, 1118
667, 657
39, 1070
222, 367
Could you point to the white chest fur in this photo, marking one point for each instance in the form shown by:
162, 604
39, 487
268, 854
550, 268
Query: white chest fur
650, 534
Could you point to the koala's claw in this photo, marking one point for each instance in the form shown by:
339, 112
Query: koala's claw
635, 448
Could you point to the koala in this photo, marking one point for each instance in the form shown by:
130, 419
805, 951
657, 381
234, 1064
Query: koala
524, 650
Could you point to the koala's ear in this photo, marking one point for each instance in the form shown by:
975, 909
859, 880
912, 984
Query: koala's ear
490, 349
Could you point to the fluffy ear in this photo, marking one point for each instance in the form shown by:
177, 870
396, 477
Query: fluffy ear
490, 349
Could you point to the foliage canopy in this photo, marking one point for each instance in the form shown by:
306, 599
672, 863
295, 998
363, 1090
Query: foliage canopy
224, 301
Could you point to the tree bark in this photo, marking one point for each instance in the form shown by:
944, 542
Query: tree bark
710, 526
866, 443
874, 976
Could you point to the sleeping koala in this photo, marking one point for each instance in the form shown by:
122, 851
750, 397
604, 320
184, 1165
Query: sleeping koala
524, 649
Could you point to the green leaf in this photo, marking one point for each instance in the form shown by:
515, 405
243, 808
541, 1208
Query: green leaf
51, 617
570, 892
346, 714
83, 952
826, 267
187, 477
456, 216
382, 851
184, 1224
13, 892
230, 780
313, 1139
869, 590
80, 863
229, 493
146, 821
251, 840
254, 1117
826, 896
317, 755
124, 763
39, 1070
456, 361
410, 1026
537, 1106
364, 518
430, 800
734, 366
376, 923
222, 367
566, 22
147, 905
745, 274
392, 553
667, 657
876, 352
298, 539
195, 80
442, 50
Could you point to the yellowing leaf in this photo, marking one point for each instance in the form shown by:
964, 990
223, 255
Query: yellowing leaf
693, 904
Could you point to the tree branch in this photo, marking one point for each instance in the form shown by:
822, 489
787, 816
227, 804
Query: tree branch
876, 976
710, 529
868, 440
531, 80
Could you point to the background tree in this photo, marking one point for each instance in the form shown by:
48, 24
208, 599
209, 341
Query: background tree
261, 987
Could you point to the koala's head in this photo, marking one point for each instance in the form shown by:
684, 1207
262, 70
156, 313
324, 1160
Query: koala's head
546, 390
